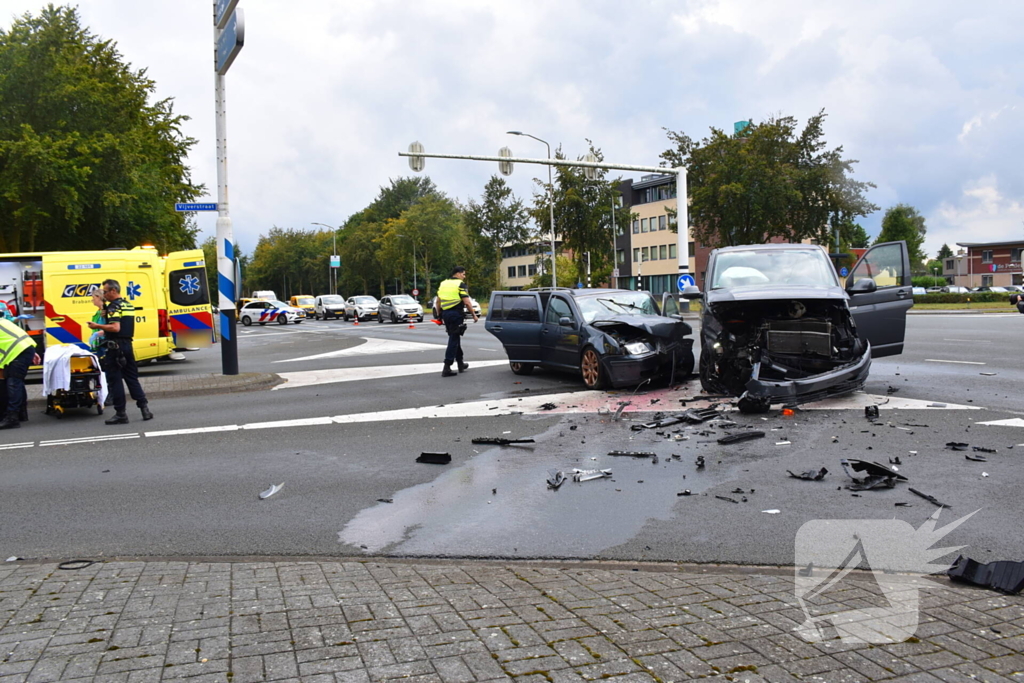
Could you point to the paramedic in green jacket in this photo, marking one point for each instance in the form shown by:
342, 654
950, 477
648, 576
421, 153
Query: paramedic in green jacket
453, 300
17, 355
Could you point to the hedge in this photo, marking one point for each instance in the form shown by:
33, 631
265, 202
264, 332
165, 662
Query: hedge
975, 297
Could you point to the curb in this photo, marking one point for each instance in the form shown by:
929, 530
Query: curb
246, 381
960, 311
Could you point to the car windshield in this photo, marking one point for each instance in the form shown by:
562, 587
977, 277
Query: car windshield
766, 267
304, 301
364, 300
616, 303
332, 299
402, 299
278, 304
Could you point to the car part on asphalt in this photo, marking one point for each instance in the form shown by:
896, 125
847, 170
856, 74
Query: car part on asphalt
434, 458
895, 461
622, 406
499, 441
982, 449
698, 415
737, 438
634, 454
684, 492
548, 406
700, 462
871, 412
976, 458
590, 475
725, 498
271, 491
385, 500
810, 475
555, 479
930, 499
957, 446
1004, 576
878, 476
771, 512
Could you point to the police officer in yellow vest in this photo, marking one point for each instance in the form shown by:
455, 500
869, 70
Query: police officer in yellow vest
17, 355
453, 300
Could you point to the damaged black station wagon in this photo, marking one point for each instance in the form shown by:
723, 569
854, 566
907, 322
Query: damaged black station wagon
778, 327
612, 337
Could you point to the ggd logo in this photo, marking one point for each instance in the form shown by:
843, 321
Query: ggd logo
72, 291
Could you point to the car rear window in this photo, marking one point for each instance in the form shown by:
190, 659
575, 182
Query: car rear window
516, 307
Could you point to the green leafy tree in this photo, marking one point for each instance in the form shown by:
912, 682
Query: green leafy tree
500, 219
858, 237
945, 252
903, 222
87, 161
291, 262
209, 248
768, 180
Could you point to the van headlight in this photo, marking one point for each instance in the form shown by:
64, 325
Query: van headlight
638, 348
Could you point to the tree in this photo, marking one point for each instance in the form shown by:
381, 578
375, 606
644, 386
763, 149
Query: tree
903, 222
291, 262
500, 220
858, 237
86, 160
768, 181
945, 252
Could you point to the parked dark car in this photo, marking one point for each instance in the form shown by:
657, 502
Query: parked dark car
612, 337
778, 327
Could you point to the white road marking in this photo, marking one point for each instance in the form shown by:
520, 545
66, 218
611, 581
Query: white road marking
371, 347
1012, 422
481, 348
301, 422
195, 430
12, 446
973, 315
962, 362
972, 341
99, 439
295, 380
86, 438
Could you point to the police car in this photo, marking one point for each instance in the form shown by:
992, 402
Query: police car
263, 312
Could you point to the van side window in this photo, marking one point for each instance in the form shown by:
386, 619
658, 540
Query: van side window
522, 308
188, 287
558, 308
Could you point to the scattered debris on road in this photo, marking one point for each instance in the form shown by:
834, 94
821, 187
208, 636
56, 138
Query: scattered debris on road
590, 475
548, 406
271, 491
930, 499
982, 449
771, 512
976, 458
684, 492
700, 462
878, 476
555, 479
810, 475
500, 441
871, 412
634, 454
434, 458
737, 438
726, 498
385, 500
1004, 576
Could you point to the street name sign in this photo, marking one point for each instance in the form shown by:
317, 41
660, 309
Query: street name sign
230, 42
222, 12
196, 207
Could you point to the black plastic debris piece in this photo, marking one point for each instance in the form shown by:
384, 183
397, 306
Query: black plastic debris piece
903, 505
982, 449
1004, 576
622, 406
634, 454
555, 479
434, 458
976, 458
655, 400
891, 390
548, 406
737, 438
661, 423
700, 462
810, 475
957, 446
877, 476
500, 441
698, 415
385, 500
930, 499
572, 427
725, 498
684, 492
895, 461
871, 412
738, 490
639, 428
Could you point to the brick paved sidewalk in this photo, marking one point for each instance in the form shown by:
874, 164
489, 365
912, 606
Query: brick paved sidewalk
167, 386
365, 621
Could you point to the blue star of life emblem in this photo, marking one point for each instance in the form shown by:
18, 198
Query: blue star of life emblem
189, 284
134, 291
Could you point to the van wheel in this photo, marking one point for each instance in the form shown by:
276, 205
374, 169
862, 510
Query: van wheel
282, 319
246, 320
521, 368
590, 368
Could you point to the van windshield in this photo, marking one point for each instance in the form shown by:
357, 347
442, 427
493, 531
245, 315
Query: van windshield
332, 299
304, 301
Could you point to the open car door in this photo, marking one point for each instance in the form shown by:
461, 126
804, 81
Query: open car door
669, 305
514, 318
881, 314
189, 316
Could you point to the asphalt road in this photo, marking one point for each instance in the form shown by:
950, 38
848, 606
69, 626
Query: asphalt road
362, 402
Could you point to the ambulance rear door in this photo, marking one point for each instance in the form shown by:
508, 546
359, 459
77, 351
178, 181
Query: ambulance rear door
189, 315
142, 286
69, 279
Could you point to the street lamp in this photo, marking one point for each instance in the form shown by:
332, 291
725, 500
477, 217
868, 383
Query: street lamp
334, 252
551, 201
414, 285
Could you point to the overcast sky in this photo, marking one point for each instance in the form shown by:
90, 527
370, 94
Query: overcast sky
927, 95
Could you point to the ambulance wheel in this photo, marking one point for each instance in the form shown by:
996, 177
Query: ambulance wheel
282, 319
246, 320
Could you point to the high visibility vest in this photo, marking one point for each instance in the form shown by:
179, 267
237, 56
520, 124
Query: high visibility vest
448, 293
13, 342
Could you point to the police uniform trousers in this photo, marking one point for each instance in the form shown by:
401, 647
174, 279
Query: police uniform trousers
453, 320
13, 395
129, 373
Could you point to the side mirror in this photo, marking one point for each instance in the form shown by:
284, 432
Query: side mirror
692, 292
865, 285
565, 321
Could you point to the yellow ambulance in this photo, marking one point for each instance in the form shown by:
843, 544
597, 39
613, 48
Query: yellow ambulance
51, 294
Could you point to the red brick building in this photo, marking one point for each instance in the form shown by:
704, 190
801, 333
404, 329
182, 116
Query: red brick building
985, 264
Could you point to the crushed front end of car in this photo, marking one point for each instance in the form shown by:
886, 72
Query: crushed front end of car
782, 350
636, 348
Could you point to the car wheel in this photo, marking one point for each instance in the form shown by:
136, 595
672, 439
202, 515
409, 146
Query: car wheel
380, 319
420, 319
521, 368
316, 317
394, 318
262, 324
246, 320
708, 381
684, 367
753, 406
344, 316
590, 367
282, 319
298, 320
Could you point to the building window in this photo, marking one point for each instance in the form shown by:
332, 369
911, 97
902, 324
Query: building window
522, 271
672, 250
986, 256
1015, 254
636, 227
949, 264
662, 222
636, 255
663, 251
643, 225
644, 254
620, 256
654, 253
531, 269
986, 280
511, 271
691, 248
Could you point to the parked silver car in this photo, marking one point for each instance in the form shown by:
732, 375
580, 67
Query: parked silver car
362, 307
399, 307
328, 306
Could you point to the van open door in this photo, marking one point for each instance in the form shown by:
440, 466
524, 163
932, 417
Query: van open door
880, 296
188, 318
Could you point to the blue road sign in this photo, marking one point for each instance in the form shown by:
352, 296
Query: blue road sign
844, 271
195, 207
223, 11
230, 42
685, 280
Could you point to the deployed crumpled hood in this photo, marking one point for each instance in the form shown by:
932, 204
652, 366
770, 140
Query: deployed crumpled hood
775, 293
657, 326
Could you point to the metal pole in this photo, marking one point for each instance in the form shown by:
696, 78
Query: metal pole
682, 229
414, 284
225, 235
588, 270
613, 281
551, 209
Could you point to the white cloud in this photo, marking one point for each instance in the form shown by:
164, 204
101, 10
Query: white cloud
981, 214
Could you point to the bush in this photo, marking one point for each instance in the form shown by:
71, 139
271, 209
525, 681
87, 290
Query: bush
973, 297
928, 281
